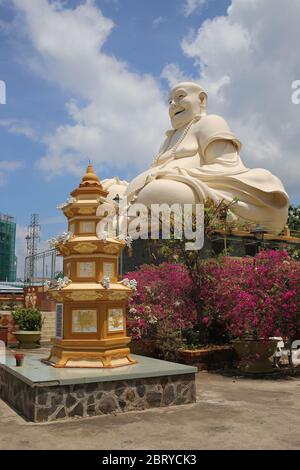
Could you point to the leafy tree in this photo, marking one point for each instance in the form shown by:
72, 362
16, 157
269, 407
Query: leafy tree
294, 218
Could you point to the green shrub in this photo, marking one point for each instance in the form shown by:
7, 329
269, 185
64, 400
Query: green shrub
28, 319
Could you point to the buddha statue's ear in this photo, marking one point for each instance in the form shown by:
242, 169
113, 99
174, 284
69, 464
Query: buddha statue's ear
203, 103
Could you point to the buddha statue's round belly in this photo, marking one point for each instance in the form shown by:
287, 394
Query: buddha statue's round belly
148, 178
164, 191
182, 162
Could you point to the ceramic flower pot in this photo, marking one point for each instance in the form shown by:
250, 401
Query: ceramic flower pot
28, 339
255, 356
209, 358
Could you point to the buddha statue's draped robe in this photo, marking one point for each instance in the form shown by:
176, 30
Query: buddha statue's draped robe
207, 164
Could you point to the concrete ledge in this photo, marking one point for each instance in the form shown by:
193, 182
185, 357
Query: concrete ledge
42, 393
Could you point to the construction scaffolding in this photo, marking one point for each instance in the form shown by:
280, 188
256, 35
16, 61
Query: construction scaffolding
32, 239
8, 260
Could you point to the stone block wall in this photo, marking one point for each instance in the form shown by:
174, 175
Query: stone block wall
18, 394
44, 403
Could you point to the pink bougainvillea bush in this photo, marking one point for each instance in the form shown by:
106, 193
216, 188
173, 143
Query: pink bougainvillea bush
240, 298
162, 303
253, 297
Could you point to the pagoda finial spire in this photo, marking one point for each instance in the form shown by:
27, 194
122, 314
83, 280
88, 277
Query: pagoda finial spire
89, 182
90, 174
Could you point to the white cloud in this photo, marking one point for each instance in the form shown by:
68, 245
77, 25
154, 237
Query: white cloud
17, 126
173, 74
247, 60
7, 166
157, 22
123, 116
191, 5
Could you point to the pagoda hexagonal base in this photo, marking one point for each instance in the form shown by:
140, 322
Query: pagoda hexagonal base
89, 354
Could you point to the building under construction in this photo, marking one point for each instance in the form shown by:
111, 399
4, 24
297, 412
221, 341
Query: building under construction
8, 260
32, 239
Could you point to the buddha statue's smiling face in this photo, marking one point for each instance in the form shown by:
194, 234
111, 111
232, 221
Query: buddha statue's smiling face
185, 101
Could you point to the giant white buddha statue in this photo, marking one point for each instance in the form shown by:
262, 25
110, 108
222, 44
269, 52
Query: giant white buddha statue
200, 159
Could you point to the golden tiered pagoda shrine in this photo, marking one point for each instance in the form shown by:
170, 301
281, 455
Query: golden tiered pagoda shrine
90, 313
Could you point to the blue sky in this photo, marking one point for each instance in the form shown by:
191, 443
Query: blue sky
74, 69
41, 104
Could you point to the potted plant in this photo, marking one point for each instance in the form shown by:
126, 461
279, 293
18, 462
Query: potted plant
29, 325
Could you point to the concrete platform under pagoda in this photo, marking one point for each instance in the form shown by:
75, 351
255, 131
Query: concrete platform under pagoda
42, 393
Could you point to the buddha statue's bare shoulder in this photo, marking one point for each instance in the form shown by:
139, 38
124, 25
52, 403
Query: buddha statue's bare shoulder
210, 124
212, 128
